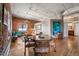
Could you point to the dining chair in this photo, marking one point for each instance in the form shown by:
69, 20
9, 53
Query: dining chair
41, 48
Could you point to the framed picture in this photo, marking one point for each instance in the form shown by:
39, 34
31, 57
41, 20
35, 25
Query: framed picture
70, 26
9, 21
5, 21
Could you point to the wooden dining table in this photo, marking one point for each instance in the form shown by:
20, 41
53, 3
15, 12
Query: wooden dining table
32, 42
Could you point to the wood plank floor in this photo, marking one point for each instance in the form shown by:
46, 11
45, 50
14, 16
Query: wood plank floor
64, 47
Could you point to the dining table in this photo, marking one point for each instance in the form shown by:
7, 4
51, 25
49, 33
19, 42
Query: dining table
30, 41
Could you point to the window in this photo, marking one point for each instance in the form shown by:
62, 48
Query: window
22, 27
38, 28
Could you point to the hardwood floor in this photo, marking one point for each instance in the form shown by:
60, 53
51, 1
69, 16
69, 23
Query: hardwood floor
17, 48
64, 47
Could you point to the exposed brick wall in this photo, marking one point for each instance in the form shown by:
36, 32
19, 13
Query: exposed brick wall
17, 21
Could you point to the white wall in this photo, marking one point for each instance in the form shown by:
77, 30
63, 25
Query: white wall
77, 29
75, 23
46, 27
65, 29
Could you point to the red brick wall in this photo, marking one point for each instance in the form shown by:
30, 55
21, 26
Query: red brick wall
17, 21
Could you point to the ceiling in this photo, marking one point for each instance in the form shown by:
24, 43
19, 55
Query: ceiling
41, 11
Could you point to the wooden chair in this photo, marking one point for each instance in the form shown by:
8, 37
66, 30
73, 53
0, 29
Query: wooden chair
53, 45
41, 47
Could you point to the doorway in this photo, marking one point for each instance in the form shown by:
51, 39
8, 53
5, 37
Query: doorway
70, 29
